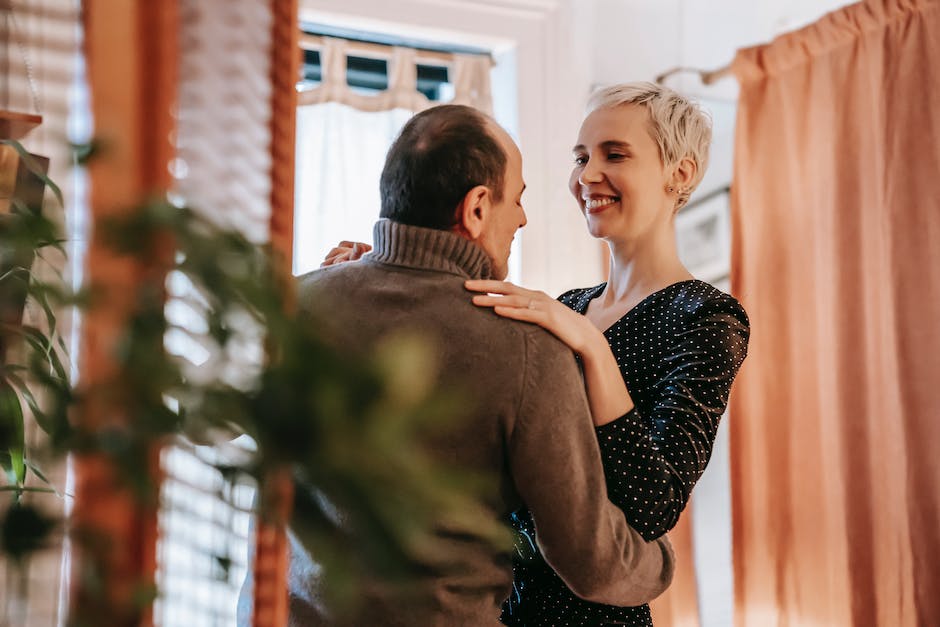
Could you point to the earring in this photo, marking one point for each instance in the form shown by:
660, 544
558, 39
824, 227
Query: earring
683, 197
670, 189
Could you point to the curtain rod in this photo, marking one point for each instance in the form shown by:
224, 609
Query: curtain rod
384, 40
368, 48
316, 42
707, 76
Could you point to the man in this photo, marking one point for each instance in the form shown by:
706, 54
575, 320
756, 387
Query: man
451, 196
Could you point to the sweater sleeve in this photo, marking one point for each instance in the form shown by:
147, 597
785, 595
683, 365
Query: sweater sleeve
652, 462
556, 466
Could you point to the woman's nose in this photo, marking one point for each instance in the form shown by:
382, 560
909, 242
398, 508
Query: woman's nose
590, 173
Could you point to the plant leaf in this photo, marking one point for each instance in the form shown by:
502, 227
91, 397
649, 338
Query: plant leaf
22, 489
42, 477
12, 430
40, 295
38, 414
41, 344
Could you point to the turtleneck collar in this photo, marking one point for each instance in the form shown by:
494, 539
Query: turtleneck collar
428, 249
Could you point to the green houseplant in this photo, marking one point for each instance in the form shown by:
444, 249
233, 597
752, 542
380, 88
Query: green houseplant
347, 425
32, 374
32, 354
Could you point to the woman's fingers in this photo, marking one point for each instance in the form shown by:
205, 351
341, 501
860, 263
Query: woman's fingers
517, 301
335, 258
517, 307
345, 251
340, 255
523, 314
538, 308
354, 245
505, 289
493, 287
359, 249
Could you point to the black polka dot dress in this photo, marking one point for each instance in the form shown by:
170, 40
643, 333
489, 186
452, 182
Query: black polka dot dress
679, 351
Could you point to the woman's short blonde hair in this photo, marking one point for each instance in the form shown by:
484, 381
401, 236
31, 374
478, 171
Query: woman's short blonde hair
678, 125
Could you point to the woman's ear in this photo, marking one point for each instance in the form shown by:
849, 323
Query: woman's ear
683, 174
473, 212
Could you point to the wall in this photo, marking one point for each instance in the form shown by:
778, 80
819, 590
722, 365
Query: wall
638, 39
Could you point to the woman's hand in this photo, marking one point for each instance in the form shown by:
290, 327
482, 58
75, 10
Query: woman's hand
345, 251
606, 390
511, 301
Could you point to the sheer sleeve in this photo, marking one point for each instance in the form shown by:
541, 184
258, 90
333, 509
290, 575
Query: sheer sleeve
651, 462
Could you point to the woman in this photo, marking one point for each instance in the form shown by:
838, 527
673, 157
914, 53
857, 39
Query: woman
659, 373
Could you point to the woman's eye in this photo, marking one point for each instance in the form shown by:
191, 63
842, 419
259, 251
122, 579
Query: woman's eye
580, 160
616, 156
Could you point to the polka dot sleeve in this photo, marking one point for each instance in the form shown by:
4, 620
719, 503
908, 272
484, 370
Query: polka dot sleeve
678, 351
653, 458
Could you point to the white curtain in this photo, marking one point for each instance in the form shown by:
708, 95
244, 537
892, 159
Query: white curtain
340, 154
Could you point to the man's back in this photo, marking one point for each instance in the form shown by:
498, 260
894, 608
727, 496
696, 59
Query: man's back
527, 424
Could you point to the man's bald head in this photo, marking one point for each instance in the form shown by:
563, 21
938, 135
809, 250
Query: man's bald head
440, 155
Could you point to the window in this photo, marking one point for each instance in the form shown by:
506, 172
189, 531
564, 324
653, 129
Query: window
355, 96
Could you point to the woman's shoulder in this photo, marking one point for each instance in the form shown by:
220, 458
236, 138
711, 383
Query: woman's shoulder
578, 297
697, 321
714, 320
700, 299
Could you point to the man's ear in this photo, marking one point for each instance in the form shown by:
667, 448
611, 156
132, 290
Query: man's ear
473, 212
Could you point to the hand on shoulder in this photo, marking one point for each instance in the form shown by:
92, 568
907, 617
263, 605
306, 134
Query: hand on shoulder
512, 301
345, 251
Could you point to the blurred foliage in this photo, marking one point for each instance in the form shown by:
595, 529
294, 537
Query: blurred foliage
33, 378
348, 426
32, 365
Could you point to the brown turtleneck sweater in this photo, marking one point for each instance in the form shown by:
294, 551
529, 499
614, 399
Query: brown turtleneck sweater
530, 426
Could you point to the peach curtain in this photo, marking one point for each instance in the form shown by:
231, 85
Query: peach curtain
836, 256
678, 606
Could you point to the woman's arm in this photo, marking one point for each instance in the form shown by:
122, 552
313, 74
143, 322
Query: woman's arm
606, 390
607, 393
651, 477
652, 462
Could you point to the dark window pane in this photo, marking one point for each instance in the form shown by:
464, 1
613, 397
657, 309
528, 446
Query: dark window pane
366, 73
311, 71
430, 78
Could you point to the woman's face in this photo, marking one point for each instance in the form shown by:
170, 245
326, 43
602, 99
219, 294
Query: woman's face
618, 178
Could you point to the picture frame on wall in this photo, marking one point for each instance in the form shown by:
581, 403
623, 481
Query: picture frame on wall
703, 238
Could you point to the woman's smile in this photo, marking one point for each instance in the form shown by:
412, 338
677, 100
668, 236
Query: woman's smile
597, 204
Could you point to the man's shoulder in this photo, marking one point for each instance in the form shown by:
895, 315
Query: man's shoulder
546, 346
333, 281
342, 271
528, 334
334, 285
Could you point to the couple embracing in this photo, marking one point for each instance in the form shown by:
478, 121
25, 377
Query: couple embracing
597, 411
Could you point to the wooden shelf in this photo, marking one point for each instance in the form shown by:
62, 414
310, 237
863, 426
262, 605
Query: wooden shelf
14, 125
